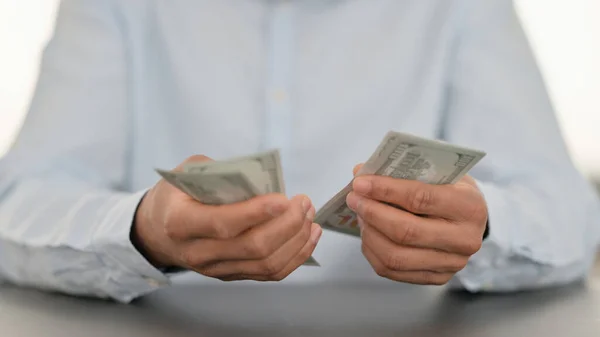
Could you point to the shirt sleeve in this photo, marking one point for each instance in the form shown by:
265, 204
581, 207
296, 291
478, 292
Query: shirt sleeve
66, 208
543, 214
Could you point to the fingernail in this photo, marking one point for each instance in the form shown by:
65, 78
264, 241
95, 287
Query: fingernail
310, 215
361, 186
276, 209
306, 205
353, 201
316, 234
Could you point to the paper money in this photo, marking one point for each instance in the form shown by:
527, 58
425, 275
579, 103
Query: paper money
231, 181
401, 156
213, 188
263, 169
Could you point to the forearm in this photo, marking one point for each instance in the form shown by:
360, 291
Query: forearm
65, 236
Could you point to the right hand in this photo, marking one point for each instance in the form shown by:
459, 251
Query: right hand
264, 239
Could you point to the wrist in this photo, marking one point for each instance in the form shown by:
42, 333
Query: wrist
140, 236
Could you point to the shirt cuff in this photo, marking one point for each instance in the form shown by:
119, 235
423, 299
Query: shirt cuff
130, 275
482, 268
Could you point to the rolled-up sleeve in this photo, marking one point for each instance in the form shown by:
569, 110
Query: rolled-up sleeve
66, 208
544, 218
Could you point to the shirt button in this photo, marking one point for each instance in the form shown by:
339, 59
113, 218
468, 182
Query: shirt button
279, 95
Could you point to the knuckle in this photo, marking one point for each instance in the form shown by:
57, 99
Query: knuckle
475, 210
255, 248
406, 234
480, 214
394, 261
275, 278
278, 277
364, 249
218, 228
305, 232
386, 191
271, 267
460, 264
437, 279
421, 199
305, 254
429, 278
259, 211
171, 224
443, 279
473, 207
210, 271
293, 219
190, 258
222, 232
472, 246
299, 219
381, 270
281, 275
366, 211
171, 230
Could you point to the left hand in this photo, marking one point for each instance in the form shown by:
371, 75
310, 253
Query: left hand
415, 232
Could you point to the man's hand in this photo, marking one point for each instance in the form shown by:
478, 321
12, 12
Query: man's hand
263, 239
415, 232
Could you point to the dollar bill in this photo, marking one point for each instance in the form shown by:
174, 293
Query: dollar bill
401, 156
263, 168
231, 181
213, 188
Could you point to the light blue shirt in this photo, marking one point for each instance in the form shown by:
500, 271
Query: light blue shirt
129, 86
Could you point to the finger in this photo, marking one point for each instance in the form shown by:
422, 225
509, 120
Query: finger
255, 244
467, 179
403, 258
406, 229
232, 278
169, 180
356, 169
198, 158
304, 254
191, 220
423, 277
459, 201
296, 262
267, 266
277, 266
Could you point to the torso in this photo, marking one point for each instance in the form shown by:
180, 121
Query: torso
206, 76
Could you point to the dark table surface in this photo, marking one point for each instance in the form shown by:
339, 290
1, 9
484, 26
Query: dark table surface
230, 309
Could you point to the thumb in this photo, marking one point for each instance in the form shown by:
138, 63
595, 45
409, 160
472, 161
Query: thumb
357, 168
198, 158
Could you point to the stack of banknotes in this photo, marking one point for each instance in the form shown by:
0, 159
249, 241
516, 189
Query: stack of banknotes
399, 155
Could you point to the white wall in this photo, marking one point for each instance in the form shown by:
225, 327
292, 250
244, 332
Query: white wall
565, 35
25, 25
